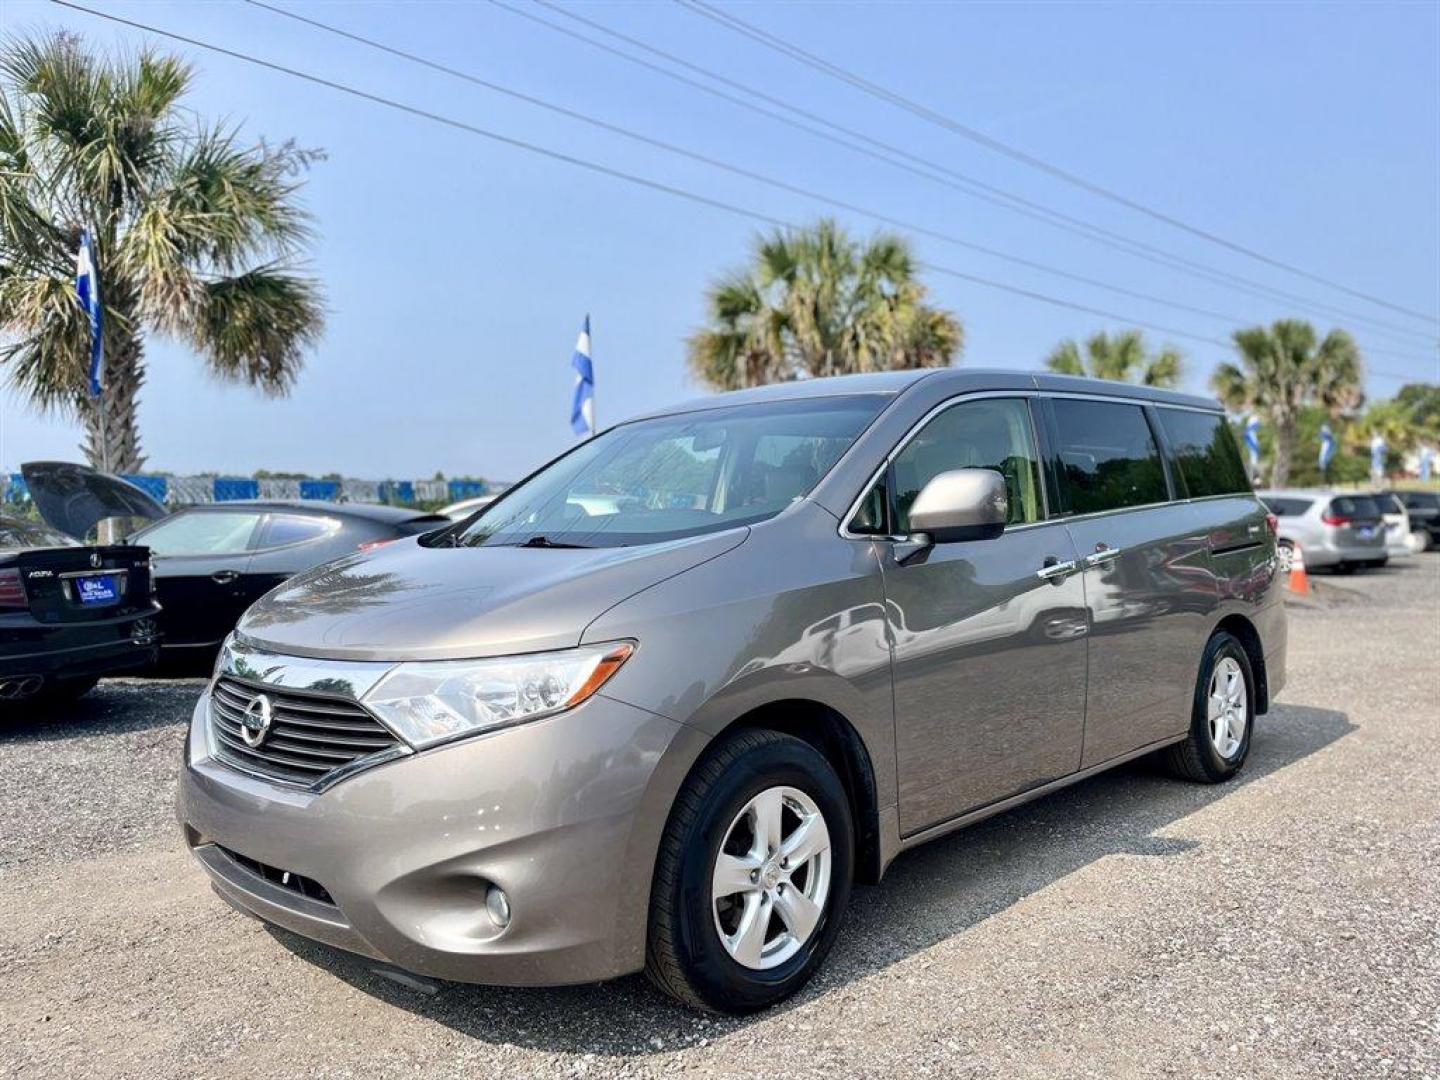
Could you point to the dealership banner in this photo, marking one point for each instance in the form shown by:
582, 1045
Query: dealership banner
185, 490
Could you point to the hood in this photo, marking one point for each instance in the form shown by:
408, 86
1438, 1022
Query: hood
408, 602
75, 498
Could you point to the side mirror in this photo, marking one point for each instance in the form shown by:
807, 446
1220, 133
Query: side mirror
963, 504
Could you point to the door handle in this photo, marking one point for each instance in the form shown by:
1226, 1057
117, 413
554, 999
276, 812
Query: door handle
225, 577
1054, 569
1103, 554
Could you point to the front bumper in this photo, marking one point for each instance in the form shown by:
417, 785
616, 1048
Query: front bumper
564, 814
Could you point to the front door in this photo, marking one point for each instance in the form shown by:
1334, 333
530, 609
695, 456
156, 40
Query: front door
989, 655
201, 557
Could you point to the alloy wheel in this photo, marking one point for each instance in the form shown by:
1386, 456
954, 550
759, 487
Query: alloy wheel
771, 878
1227, 707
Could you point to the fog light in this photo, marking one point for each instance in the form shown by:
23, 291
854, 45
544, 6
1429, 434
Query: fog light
498, 905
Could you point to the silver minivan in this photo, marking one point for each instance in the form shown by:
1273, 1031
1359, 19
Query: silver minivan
663, 702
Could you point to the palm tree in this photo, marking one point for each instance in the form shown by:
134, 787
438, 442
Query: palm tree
1284, 368
195, 236
1122, 358
814, 302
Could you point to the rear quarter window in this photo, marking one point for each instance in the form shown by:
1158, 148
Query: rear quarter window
1205, 452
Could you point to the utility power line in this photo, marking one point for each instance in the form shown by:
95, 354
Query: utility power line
860, 142
749, 174
605, 170
835, 71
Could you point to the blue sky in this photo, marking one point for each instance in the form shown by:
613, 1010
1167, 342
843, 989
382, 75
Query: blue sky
458, 270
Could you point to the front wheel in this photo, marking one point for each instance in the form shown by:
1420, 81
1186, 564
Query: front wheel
1223, 715
753, 875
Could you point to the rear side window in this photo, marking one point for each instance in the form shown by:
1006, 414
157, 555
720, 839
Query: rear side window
1288, 507
1205, 451
283, 529
1107, 454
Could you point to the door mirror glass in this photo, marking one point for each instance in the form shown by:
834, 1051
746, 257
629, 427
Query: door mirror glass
962, 504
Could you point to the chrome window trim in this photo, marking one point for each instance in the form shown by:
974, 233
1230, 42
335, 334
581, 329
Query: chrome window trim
977, 395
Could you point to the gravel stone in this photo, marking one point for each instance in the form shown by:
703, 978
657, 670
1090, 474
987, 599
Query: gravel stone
1283, 925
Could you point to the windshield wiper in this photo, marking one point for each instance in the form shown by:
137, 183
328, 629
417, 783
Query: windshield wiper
545, 542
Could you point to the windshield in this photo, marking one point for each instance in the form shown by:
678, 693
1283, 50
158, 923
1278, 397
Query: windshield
678, 476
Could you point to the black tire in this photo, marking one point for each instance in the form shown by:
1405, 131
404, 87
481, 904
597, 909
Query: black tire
1345, 568
685, 956
1197, 758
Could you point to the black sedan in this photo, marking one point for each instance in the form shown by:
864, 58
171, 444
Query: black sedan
69, 613
213, 561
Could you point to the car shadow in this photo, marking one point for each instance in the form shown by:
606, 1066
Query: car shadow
113, 707
929, 894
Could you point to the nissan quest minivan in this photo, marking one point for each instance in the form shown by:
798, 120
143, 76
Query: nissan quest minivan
660, 704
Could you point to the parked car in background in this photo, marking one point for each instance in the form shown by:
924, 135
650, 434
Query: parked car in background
666, 700
1399, 540
459, 511
1342, 532
212, 561
69, 613
1424, 510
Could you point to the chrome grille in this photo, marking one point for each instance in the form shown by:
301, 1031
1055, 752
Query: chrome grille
310, 736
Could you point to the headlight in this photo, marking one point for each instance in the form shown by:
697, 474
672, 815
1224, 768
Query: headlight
432, 701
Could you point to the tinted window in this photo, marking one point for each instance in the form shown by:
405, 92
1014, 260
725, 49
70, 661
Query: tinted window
1355, 506
284, 529
988, 434
1108, 458
18, 535
1421, 500
681, 475
201, 532
1288, 507
1205, 451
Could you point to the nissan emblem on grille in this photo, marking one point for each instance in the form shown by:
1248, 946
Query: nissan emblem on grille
293, 736
255, 721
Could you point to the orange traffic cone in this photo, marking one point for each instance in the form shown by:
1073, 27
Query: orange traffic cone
1299, 580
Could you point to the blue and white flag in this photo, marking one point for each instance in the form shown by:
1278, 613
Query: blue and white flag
1377, 455
1252, 441
87, 288
1327, 447
582, 406
1427, 461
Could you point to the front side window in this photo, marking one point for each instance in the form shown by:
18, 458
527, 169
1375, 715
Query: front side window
1205, 452
1108, 457
993, 433
677, 476
201, 532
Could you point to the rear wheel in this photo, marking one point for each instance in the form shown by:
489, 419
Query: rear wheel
1222, 718
752, 877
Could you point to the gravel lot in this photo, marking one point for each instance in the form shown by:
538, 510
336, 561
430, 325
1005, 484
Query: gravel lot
1287, 924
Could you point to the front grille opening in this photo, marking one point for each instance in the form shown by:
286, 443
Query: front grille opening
296, 883
310, 736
